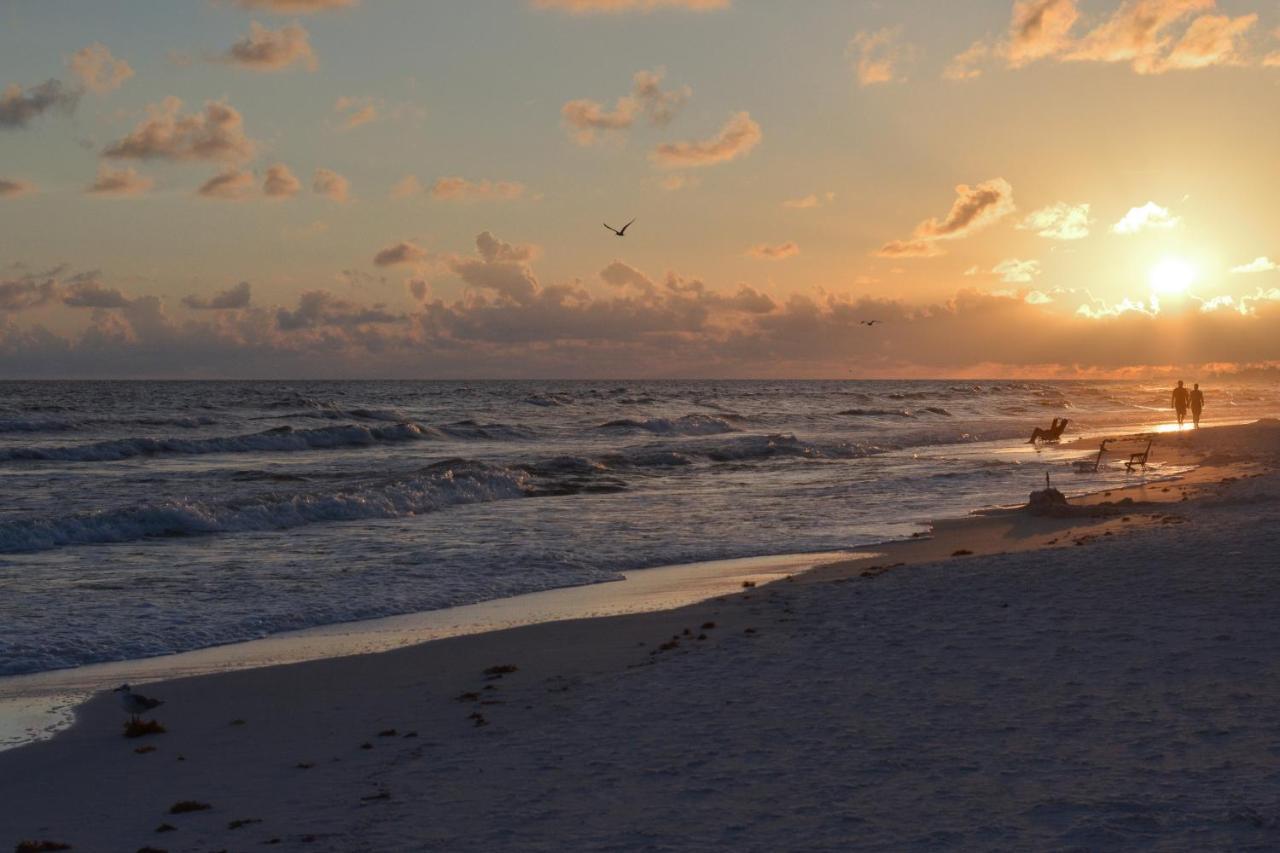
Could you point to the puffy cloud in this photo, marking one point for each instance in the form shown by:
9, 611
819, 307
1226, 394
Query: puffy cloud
878, 56
1061, 221
975, 208
966, 65
1263, 264
1014, 271
1137, 33
265, 49
353, 112
400, 253
119, 182
406, 187
583, 7
216, 133
1040, 29
1209, 40
809, 201
780, 252
29, 290
736, 139
97, 70
460, 189
295, 7
584, 119
18, 107
233, 298
492, 249
90, 293
230, 185
12, 188
279, 182
317, 308
330, 184
518, 325
1150, 216
1142, 33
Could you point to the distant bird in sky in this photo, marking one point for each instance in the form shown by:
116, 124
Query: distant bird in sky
620, 232
135, 703
871, 322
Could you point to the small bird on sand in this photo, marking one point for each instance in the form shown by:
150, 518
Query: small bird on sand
135, 703
871, 322
619, 232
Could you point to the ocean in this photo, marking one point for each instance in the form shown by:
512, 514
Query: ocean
142, 518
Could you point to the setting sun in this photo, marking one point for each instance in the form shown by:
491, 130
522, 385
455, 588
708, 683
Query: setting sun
1172, 277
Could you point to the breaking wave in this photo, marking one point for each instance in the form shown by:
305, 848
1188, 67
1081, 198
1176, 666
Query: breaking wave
441, 485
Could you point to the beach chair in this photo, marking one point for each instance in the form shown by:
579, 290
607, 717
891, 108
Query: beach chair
1090, 466
1139, 459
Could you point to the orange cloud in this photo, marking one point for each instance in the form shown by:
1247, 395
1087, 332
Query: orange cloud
279, 182
584, 118
736, 139
585, 7
98, 70
403, 252
12, 188
879, 56
766, 252
295, 7
1039, 29
330, 184
216, 133
264, 49
355, 111
122, 182
975, 208
231, 185
461, 189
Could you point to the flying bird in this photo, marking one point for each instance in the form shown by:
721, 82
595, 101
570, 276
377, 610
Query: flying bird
620, 232
135, 703
871, 322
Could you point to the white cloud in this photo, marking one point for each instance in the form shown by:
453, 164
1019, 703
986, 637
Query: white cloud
1061, 221
1263, 264
1014, 271
1150, 216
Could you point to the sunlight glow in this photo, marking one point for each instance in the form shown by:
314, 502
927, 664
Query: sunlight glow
1172, 277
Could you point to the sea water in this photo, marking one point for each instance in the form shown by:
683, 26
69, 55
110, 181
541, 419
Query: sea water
141, 518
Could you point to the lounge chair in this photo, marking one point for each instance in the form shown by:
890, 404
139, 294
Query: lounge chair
1139, 459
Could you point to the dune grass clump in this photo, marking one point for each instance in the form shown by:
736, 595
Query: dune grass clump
748, 584
185, 806
141, 728
963, 552
40, 846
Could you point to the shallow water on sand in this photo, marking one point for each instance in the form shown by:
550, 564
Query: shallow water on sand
141, 518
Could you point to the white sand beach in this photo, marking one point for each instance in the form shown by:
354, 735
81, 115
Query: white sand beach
1105, 681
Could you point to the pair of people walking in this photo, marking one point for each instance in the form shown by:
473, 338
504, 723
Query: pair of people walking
1184, 400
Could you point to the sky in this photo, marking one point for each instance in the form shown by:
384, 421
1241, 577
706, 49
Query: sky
392, 188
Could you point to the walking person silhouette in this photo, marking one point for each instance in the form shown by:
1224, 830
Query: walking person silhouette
1197, 404
1180, 400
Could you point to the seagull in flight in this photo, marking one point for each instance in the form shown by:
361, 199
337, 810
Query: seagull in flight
620, 232
871, 322
135, 703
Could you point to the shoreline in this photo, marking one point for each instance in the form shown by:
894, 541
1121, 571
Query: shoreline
37, 706
245, 740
